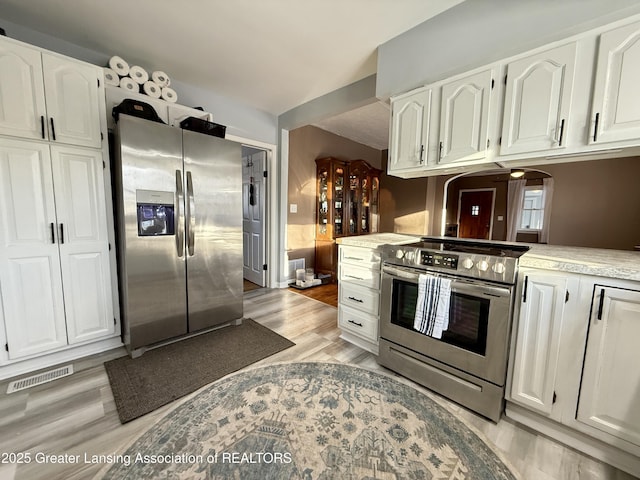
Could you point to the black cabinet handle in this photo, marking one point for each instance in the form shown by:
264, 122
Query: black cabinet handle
595, 128
355, 299
561, 132
53, 130
53, 233
355, 323
62, 233
440, 153
524, 293
421, 153
601, 304
42, 125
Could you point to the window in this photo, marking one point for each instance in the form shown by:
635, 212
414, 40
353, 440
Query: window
532, 212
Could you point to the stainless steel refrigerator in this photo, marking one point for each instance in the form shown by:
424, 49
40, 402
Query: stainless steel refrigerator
179, 223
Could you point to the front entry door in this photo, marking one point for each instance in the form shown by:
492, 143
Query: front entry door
253, 193
475, 214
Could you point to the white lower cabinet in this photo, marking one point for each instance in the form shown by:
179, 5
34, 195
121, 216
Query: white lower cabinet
55, 280
537, 348
573, 366
359, 295
610, 391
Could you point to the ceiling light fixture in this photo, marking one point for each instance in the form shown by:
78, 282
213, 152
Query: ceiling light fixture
517, 172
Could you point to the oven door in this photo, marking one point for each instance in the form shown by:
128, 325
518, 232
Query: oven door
476, 341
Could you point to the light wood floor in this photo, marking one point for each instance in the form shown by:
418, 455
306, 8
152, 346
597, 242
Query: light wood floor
76, 414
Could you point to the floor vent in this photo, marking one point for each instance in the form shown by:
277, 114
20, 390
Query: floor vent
39, 379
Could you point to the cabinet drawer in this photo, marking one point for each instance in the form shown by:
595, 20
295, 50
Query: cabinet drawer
361, 298
364, 257
358, 323
363, 276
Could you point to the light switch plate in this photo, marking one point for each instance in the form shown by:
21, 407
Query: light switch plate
293, 208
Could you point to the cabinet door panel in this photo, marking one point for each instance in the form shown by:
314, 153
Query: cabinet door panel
616, 104
21, 92
464, 118
30, 275
84, 250
409, 130
610, 379
537, 344
72, 101
538, 101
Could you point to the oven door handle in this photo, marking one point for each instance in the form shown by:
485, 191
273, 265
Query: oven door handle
400, 272
458, 286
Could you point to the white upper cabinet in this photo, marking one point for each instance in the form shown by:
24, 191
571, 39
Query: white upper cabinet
616, 103
72, 94
538, 101
410, 115
611, 379
464, 118
22, 105
48, 97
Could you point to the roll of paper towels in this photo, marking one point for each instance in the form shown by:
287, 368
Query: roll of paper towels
169, 95
161, 78
138, 74
128, 84
111, 77
119, 66
152, 89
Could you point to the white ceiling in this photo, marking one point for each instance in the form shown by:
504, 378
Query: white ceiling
368, 125
270, 54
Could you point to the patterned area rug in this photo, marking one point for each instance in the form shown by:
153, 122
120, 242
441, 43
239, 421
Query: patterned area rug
309, 421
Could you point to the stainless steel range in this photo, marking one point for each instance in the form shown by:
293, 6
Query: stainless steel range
475, 282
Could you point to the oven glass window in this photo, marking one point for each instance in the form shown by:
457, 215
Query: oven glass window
468, 316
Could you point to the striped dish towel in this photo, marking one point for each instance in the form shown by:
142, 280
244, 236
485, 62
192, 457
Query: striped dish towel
432, 307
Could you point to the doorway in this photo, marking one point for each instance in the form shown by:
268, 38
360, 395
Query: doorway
254, 161
475, 213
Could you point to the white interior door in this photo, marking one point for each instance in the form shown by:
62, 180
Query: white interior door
253, 222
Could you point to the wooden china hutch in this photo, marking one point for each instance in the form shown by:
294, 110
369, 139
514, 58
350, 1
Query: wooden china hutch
348, 196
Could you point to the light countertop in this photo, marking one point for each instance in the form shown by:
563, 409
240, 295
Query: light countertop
601, 262
376, 239
621, 264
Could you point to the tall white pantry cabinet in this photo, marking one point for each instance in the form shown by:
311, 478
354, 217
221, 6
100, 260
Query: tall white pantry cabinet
56, 286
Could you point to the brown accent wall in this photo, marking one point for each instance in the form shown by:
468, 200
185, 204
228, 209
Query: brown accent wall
305, 145
595, 204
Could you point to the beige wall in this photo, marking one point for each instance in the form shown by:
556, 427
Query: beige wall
403, 203
305, 145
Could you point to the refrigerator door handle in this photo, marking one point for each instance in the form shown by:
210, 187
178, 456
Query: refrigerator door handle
179, 217
191, 217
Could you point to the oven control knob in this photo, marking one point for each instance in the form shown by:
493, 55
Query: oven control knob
467, 263
409, 255
483, 265
499, 268
399, 254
